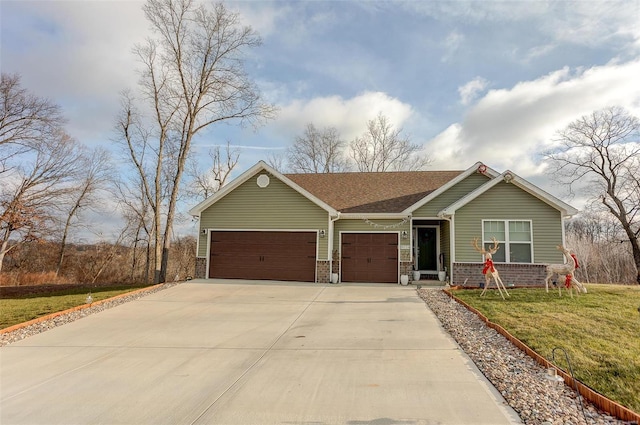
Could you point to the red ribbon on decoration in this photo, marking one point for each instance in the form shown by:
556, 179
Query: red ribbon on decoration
488, 265
567, 281
575, 260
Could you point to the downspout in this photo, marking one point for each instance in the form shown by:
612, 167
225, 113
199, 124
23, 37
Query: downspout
330, 247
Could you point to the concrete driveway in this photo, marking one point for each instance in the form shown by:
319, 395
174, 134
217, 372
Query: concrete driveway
239, 352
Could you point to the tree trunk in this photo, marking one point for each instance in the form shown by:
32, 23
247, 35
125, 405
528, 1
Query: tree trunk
3, 251
63, 242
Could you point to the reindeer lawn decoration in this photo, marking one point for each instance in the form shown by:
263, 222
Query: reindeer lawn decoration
489, 271
567, 270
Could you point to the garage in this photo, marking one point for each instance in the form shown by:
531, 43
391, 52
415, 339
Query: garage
263, 255
369, 257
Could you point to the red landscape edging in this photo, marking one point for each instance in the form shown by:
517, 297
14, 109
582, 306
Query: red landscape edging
72, 309
603, 403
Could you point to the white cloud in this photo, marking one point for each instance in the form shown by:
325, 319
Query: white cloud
470, 91
349, 116
76, 53
452, 44
590, 23
507, 128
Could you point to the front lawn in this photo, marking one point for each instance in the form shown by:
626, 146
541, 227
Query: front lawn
24, 308
600, 331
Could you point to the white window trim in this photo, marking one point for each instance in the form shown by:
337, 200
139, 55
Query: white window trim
506, 243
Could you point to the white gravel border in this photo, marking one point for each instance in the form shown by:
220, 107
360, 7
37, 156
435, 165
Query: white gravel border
519, 378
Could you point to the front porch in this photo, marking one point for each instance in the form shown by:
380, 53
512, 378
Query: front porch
430, 250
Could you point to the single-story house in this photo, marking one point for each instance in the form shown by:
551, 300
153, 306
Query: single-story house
376, 227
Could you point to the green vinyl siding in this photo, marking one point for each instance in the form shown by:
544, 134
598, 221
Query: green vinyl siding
377, 226
440, 202
276, 207
508, 202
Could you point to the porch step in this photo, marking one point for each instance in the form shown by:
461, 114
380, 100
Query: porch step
429, 283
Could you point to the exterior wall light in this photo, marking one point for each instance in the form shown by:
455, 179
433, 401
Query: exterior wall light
323, 233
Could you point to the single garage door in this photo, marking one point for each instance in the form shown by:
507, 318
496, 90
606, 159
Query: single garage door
263, 255
370, 257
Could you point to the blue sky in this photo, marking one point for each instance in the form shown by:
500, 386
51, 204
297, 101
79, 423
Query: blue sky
469, 81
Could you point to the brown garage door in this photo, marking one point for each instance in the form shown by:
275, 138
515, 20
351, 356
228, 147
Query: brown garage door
263, 255
370, 257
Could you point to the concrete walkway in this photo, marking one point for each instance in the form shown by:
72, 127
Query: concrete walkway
239, 352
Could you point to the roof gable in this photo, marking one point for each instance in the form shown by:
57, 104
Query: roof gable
260, 166
478, 167
511, 177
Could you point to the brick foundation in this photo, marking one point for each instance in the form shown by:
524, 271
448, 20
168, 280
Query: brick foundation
201, 268
323, 274
511, 274
406, 268
335, 266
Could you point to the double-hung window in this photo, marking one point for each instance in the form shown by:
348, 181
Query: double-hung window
514, 236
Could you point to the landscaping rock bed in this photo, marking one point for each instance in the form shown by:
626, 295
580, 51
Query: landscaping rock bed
520, 380
45, 325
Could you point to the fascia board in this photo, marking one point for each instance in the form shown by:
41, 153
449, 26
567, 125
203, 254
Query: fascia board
195, 211
474, 168
544, 196
261, 165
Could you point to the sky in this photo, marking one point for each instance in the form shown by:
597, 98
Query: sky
469, 81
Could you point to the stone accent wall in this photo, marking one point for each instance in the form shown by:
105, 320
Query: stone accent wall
323, 274
511, 274
201, 268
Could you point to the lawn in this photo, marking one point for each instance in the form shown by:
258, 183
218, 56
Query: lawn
600, 331
24, 308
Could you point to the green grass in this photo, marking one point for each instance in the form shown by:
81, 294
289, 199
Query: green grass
24, 308
600, 331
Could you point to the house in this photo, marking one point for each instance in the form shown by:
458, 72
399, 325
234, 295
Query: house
375, 227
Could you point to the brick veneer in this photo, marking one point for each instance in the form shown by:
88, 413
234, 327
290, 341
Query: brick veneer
201, 268
406, 267
323, 274
516, 274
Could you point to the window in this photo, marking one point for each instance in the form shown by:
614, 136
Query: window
515, 239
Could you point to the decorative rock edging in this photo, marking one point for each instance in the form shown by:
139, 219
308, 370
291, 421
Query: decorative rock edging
32, 327
585, 391
502, 358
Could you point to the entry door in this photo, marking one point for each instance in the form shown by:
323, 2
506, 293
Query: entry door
427, 243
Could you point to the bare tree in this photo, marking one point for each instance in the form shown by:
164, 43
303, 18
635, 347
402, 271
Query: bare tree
92, 169
278, 161
193, 78
599, 155
32, 190
25, 120
383, 148
204, 183
317, 151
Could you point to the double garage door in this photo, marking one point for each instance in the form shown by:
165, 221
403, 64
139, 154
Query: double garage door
370, 257
265, 255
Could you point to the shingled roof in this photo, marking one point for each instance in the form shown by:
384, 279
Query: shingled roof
388, 192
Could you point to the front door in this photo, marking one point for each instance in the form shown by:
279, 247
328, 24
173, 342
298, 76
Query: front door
427, 249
